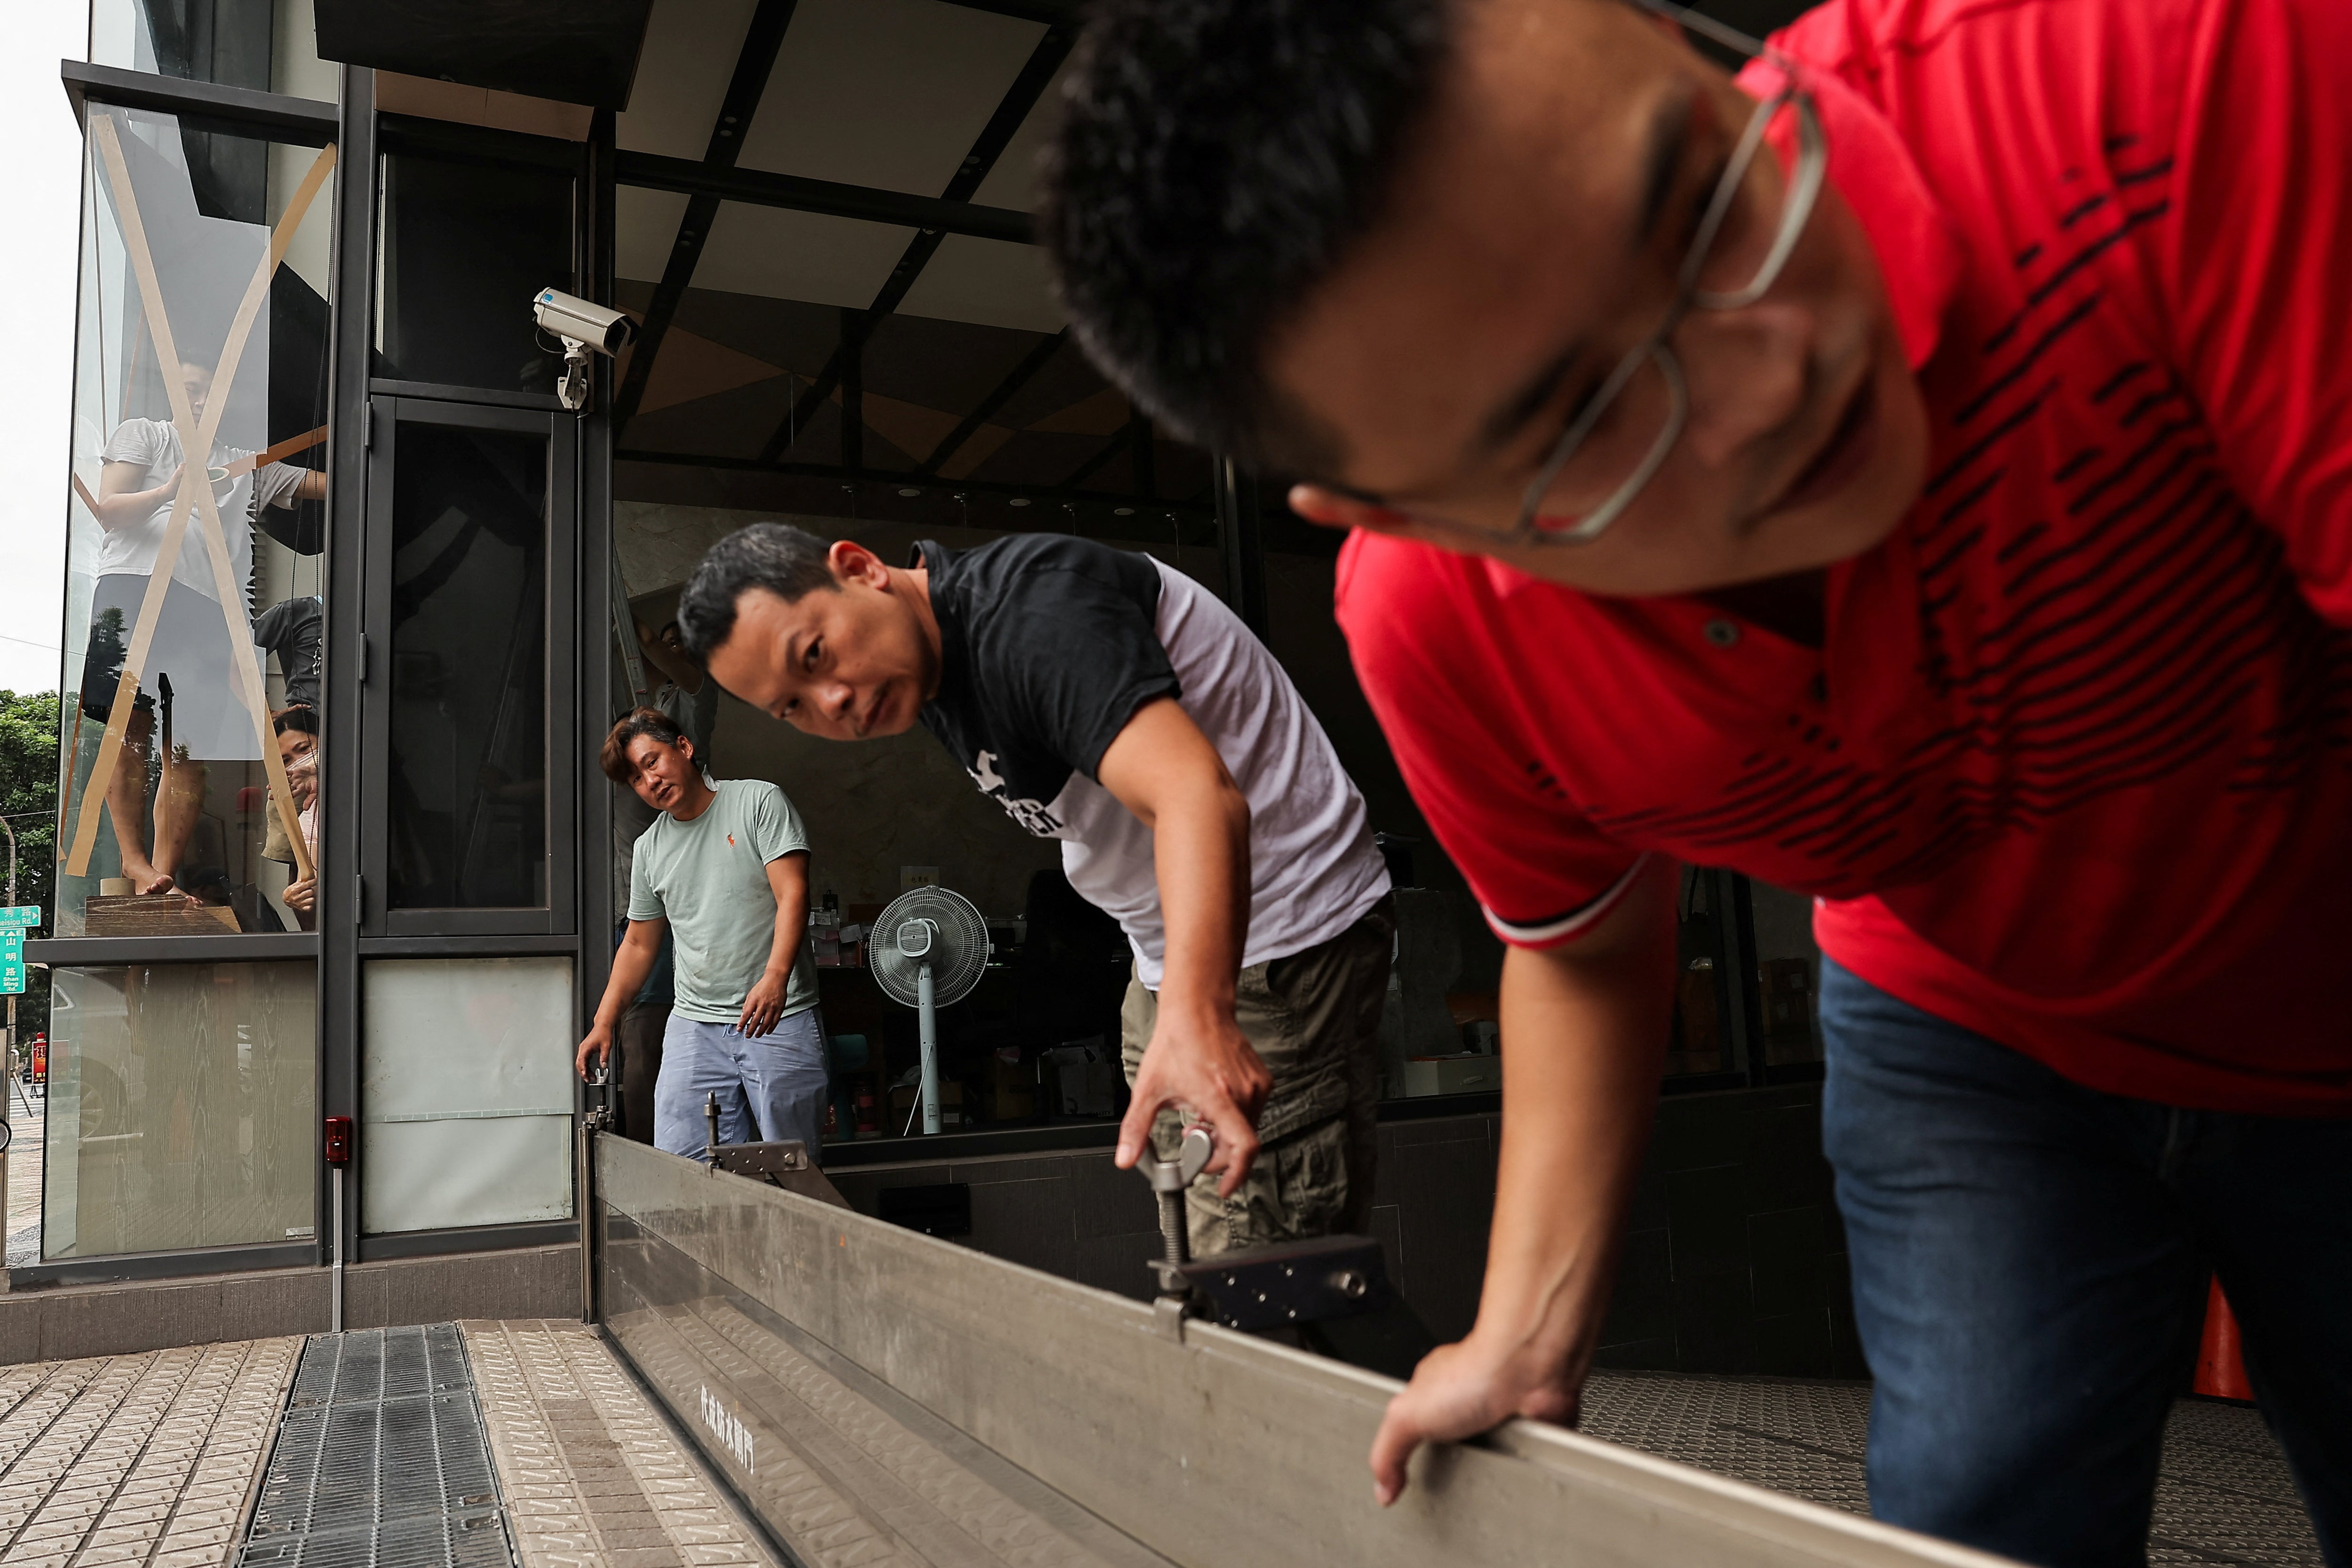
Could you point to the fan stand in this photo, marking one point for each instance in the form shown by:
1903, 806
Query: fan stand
927, 1021
927, 1024
942, 940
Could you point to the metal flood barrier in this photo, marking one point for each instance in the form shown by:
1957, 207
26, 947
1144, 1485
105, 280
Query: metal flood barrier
878, 1396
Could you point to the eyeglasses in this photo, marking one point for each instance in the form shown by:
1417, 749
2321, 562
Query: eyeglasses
1623, 433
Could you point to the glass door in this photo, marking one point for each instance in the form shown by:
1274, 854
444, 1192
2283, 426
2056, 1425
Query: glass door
469, 671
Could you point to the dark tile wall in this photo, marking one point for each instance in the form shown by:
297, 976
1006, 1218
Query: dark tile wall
1734, 1262
1735, 1258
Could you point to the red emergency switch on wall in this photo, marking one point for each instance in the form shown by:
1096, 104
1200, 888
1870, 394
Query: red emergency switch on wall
339, 1139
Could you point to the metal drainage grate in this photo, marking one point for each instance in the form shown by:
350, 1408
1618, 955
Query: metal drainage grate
380, 1460
381, 1363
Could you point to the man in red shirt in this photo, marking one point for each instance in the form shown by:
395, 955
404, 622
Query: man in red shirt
1917, 471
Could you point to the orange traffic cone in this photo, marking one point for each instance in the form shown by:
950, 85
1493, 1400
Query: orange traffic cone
2221, 1368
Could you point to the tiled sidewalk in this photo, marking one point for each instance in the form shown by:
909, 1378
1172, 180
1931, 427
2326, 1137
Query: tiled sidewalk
591, 1474
2223, 1495
148, 1459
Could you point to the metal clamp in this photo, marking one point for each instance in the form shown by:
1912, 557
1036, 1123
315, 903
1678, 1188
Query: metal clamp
1169, 1178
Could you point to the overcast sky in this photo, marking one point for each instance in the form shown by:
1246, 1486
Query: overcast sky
40, 196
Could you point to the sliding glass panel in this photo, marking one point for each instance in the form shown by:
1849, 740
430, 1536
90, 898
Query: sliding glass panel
467, 780
195, 610
466, 1086
267, 45
182, 1108
465, 245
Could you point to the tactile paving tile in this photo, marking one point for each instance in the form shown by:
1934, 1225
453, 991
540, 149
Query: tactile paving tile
149, 1460
2224, 1494
590, 1472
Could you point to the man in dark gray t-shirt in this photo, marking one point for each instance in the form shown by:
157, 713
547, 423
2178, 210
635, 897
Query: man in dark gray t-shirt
1110, 702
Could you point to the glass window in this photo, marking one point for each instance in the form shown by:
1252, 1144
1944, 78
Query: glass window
467, 794
1788, 975
465, 1081
465, 244
182, 1108
268, 45
195, 611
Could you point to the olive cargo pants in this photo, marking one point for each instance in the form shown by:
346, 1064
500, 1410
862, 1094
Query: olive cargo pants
1312, 1016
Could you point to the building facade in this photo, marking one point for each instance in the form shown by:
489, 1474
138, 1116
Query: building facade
332, 841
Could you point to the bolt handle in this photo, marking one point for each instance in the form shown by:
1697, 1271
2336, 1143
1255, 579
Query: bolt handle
1191, 1159
1168, 1179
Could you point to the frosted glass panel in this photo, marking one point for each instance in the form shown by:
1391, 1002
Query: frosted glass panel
182, 1108
466, 1172
466, 1091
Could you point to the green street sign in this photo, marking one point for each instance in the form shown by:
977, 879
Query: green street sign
12, 944
20, 915
12, 978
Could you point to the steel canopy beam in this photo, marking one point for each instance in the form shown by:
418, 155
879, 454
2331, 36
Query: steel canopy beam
1101, 458
1195, 508
1037, 74
754, 63
1048, 11
801, 194
999, 396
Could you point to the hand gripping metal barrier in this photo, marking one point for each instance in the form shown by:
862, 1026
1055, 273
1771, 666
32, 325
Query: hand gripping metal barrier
878, 1396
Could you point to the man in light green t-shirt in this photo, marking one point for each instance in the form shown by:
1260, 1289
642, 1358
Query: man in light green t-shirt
724, 870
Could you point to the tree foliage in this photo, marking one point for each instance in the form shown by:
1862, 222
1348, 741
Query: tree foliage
28, 797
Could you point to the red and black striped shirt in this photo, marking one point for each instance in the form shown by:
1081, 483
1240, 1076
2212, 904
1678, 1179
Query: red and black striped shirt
2073, 768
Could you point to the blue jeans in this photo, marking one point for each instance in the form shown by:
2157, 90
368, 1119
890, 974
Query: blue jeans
769, 1088
2030, 1260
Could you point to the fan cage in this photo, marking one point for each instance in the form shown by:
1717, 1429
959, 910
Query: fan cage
958, 955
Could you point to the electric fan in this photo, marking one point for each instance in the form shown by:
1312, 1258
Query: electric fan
928, 950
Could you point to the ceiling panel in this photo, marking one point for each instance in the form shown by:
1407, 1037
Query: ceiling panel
688, 59
1012, 182
887, 93
645, 227
991, 281
798, 255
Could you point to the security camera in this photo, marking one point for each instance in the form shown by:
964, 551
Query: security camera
577, 320
582, 326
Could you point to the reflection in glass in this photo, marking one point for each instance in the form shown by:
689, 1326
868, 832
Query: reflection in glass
268, 45
468, 785
465, 1078
182, 1108
1701, 1041
176, 820
465, 245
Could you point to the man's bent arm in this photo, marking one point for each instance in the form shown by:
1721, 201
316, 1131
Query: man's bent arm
634, 961
1584, 1036
119, 505
1165, 771
788, 880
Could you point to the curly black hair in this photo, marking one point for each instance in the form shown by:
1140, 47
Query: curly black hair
1214, 161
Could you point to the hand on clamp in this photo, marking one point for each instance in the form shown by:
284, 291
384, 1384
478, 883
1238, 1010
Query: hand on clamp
1168, 1179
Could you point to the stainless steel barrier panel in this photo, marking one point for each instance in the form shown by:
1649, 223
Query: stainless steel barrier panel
882, 1397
